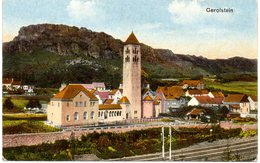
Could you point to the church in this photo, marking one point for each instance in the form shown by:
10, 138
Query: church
78, 104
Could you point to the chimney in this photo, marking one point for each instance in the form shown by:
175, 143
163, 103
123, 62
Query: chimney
63, 85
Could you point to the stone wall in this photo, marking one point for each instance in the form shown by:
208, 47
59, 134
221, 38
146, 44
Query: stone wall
39, 138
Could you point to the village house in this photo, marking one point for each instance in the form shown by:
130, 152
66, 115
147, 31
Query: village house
253, 102
99, 86
148, 107
11, 84
192, 84
171, 97
238, 103
205, 101
195, 114
196, 92
73, 105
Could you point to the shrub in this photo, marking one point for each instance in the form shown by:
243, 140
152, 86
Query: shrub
8, 104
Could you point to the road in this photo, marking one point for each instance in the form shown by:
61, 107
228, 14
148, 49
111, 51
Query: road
246, 150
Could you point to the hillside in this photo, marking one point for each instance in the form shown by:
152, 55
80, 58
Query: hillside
48, 54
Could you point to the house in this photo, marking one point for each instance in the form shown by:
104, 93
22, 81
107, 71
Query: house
171, 97
192, 84
74, 105
148, 107
216, 94
116, 95
99, 86
148, 92
196, 92
195, 114
11, 84
205, 101
253, 102
238, 103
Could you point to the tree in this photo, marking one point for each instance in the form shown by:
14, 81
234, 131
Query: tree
34, 103
8, 104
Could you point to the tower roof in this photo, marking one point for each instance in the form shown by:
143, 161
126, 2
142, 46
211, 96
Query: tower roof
132, 39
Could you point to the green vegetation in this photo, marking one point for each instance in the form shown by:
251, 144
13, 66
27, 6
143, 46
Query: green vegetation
25, 123
114, 145
248, 88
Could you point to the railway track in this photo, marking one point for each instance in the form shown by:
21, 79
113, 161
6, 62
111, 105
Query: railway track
245, 150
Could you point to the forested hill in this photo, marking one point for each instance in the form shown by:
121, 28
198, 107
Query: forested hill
48, 54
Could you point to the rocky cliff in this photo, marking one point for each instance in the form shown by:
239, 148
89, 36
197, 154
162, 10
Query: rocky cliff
73, 42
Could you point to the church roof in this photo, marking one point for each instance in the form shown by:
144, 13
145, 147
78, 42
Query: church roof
148, 98
132, 39
124, 100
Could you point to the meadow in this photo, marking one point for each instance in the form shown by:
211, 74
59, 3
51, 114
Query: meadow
248, 88
25, 123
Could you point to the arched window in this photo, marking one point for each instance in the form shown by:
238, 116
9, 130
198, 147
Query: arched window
110, 114
76, 116
119, 113
85, 115
101, 114
92, 115
68, 117
98, 114
115, 113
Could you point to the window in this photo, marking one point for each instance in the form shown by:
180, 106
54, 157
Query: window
68, 104
98, 114
80, 104
76, 104
135, 112
120, 113
52, 103
85, 115
101, 114
76, 116
92, 115
68, 117
85, 103
110, 114
115, 113
58, 104
92, 103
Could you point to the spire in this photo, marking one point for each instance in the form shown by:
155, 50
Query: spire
132, 39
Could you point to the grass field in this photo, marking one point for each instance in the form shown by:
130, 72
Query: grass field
25, 123
248, 88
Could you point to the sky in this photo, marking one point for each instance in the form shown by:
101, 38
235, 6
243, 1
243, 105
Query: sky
182, 26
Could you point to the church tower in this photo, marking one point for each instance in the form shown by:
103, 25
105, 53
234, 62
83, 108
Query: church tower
132, 75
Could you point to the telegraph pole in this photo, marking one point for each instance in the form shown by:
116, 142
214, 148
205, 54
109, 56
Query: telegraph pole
162, 141
170, 148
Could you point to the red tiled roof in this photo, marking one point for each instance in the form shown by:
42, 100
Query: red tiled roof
254, 98
236, 98
198, 92
7, 81
195, 111
156, 102
108, 101
193, 83
72, 90
208, 100
148, 98
110, 107
132, 39
171, 92
218, 94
